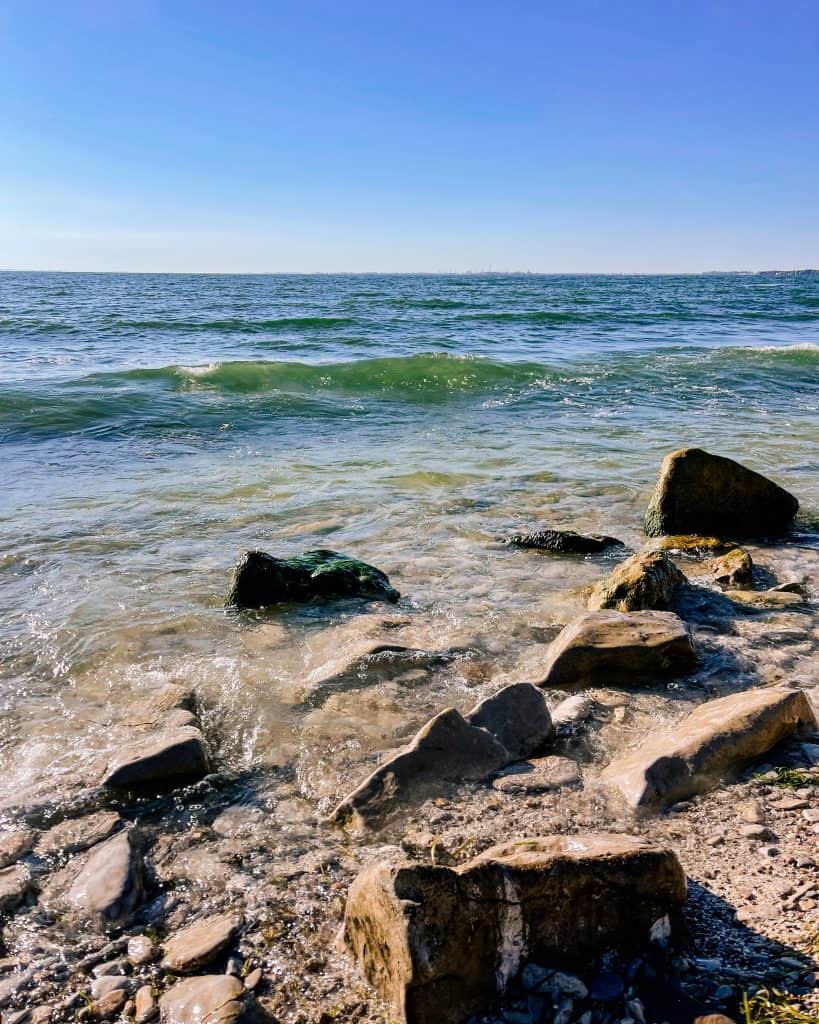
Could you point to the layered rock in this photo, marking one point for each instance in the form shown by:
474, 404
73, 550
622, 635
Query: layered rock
564, 542
169, 757
440, 944
714, 742
620, 648
260, 579
697, 492
451, 747
645, 581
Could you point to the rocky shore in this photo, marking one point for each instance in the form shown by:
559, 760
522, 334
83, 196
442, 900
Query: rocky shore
622, 829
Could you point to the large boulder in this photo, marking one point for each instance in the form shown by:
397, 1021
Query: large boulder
619, 648
260, 579
644, 581
697, 492
440, 944
499, 730
712, 743
166, 758
108, 886
564, 542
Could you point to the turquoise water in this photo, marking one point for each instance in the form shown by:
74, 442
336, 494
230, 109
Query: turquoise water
153, 427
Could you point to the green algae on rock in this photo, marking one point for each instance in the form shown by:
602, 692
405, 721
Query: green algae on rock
698, 492
645, 581
260, 579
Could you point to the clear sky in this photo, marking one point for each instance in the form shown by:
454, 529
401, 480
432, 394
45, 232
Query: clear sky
396, 136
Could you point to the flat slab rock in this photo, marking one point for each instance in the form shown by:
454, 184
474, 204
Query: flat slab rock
210, 999
171, 757
766, 600
77, 834
538, 775
260, 579
714, 742
440, 944
564, 542
697, 492
108, 886
619, 648
200, 943
499, 730
647, 580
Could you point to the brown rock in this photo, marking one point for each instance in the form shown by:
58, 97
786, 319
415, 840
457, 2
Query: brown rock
109, 1006
539, 775
210, 999
165, 758
15, 844
619, 648
698, 492
733, 570
691, 543
765, 599
200, 943
517, 716
146, 1007
15, 882
109, 884
646, 580
446, 748
440, 944
712, 743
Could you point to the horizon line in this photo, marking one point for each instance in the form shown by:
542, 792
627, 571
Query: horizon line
419, 273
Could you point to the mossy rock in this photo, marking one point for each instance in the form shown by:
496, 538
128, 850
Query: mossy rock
260, 579
564, 542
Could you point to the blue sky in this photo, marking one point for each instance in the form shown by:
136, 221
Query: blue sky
278, 136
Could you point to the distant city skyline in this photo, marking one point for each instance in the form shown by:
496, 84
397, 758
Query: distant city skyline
320, 137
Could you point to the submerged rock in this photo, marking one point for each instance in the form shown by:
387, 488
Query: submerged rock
171, 757
77, 834
697, 492
451, 747
619, 648
714, 742
109, 884
440, 944
766, 599
564, 542
199, 943
692, 544
735, 569
539, 775
644, 581
260, 579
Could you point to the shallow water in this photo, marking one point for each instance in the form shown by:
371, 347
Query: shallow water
154, 427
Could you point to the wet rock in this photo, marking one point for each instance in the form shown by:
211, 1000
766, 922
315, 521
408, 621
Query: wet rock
692, 544
141, 950
517, 716
572, 712
790, 587
714, 742
260, 579
765, 599
160, 759
210, 999
109, 884
539, 775
697, 492
409, 925
734, 570
77, 834
146, 1007
200, 943
644, 581
564, 542
446, 748
110, 983
109, 1006
14, 844
619, 648
15, 882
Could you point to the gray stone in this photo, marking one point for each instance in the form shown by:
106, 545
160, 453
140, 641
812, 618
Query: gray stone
141, 950
619, 648
714, 742
77, 834
160, 759
109, 884
572, 712
14, 844
517, 716
538, 775
701, 493
15, 882
110, 983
